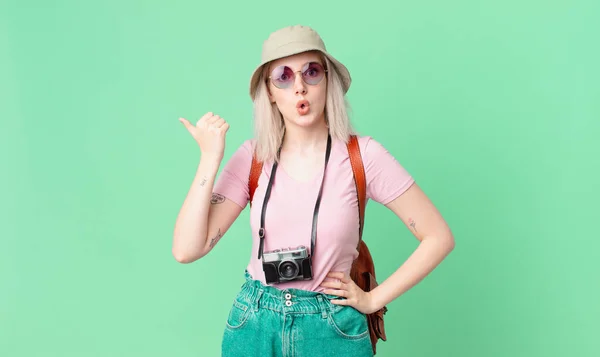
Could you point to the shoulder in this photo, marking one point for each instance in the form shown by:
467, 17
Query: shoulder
386, 177
245, 149
247, 146
370, 148
240, 159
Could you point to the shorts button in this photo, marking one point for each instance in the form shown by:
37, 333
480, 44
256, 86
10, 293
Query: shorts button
288, 296
288, 303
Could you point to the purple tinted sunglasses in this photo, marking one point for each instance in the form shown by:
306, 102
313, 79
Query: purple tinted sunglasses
283, 76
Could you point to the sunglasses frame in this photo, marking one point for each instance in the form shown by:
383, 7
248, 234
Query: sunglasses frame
325, 70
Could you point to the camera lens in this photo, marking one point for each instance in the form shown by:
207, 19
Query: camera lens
288, 269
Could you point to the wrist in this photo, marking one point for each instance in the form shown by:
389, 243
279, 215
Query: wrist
211, 160
209, 165
376, 303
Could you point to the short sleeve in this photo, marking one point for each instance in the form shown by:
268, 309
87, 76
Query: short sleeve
232, 182
386, 178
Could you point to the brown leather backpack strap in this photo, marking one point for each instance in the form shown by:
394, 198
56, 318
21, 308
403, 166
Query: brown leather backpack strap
359, 179
255, 171
363, 269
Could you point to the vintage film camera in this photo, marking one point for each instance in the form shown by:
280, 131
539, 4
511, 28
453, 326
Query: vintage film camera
287, 264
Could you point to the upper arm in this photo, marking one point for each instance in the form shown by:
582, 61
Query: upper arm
390, 184
223, 212
419, 214
230, 195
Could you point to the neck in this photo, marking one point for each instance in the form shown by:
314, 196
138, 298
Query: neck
305, 140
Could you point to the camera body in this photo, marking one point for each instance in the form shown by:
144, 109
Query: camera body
287, 264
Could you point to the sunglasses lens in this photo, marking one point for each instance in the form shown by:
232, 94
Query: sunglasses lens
282, 77
313, 73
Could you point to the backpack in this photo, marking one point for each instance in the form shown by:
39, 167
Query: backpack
363, 269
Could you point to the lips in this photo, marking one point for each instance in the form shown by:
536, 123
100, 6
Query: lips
303, 107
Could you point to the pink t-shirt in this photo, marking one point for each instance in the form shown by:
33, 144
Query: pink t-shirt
289, 214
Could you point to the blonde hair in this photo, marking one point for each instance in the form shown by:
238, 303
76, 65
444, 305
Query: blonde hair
268, 121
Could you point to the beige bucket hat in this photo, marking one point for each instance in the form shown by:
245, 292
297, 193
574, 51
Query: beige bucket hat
292, 40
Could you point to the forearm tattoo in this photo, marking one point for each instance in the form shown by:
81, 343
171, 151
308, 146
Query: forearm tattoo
216, 238
203, 182
217, 198
412, 223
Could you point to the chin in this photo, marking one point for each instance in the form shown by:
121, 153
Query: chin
306, 121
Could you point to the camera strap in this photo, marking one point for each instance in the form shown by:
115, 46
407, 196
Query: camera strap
261, 232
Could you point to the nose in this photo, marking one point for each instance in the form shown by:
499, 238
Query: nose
299, 85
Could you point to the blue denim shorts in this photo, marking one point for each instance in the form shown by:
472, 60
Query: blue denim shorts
266, 321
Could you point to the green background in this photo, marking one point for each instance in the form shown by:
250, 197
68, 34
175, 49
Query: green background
494, 107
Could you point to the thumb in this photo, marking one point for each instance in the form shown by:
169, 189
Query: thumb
186, 123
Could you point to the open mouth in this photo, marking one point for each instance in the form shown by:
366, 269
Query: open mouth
302, 107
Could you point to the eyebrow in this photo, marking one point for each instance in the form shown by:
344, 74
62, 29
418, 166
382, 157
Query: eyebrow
304, 64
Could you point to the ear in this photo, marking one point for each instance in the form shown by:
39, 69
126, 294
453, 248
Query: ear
268, 83
271, 98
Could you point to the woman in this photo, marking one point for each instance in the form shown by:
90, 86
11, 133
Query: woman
304, 208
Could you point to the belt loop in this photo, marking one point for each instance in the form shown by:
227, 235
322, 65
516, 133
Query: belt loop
323, 306
257, 299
